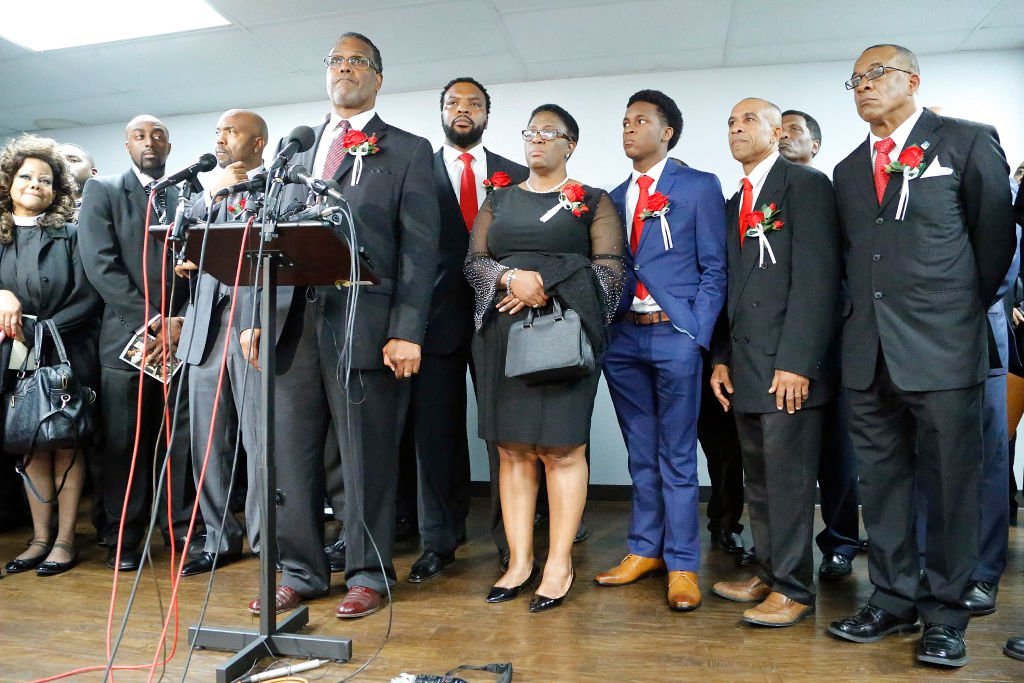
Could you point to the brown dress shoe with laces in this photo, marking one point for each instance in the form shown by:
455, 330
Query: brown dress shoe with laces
632, 568
359, 602
683, 591
285, 598
777, 610
753, 590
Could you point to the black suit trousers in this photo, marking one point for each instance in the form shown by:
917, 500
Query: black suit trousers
716, 432
945, 462
780, 460
837, 483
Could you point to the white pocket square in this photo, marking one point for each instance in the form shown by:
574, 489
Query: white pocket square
936, 169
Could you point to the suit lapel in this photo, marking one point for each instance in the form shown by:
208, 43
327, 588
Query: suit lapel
374, 127
863, 175
773, 190
666, 184
925, 130
450, 203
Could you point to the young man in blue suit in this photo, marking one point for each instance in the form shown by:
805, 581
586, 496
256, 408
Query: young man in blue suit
674, 290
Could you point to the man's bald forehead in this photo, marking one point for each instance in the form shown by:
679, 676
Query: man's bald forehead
141, 120
770, 110
249, 118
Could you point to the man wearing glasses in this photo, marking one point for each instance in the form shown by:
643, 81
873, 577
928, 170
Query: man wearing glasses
394, 206
926, 218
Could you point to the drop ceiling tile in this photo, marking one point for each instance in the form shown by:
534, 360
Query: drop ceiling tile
995, 38
1007, 13
249, 13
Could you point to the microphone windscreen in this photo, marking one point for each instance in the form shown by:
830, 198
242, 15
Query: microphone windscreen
207, 162
304, 135
295, 173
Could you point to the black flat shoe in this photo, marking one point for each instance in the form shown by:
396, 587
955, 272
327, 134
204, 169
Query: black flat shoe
206, 561
50, 568
429, 565
835, 567
729, 541
336, 555
17, 566
499, 594
131, 559
541, 603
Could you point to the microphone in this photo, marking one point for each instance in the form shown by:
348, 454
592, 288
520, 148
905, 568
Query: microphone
299, 140
298, 174
205, 163
256, 184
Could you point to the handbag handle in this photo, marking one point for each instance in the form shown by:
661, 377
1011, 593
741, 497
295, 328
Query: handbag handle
57, 341
556, 310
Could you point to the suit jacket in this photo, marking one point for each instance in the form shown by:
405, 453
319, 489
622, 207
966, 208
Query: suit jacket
919, 288
782, 316
394, 206
450, 323
688, 281
111, 231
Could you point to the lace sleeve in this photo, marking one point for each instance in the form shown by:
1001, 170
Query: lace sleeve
607, 243
481, 270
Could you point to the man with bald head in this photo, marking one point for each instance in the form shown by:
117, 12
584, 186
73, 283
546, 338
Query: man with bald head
769, 355
240, 138
82, 165
929, 234
111, 233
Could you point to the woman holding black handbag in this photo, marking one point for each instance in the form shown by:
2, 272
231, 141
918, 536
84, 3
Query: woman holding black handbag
548, 240
41, 278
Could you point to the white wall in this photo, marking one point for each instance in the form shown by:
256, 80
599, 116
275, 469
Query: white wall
983, 86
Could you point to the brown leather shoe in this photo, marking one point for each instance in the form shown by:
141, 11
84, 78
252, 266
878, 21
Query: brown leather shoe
632, 568
285, 598
683, 591
753, 590
359, 602
777, 610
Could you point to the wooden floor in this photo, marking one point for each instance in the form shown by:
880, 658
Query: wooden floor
51, 625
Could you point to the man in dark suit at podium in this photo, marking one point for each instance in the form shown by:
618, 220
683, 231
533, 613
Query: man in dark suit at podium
111, 233
386, 179
240, 138
925, 212
463, 172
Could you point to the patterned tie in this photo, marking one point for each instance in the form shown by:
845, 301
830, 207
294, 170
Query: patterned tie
746, 206
644, 182
882, 149
159, 202
467, 191
336, 154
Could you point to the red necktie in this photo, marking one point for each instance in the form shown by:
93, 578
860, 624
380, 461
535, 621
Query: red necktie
336, 154
467, 191
746, 206
644, 182
882, 149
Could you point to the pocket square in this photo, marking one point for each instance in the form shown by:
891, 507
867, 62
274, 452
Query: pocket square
936, 169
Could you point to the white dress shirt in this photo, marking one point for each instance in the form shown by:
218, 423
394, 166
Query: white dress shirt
331, 131
899, 136
757, 177
455, 167
647, 304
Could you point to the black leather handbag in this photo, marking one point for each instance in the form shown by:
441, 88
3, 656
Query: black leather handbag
549, 347
47, 409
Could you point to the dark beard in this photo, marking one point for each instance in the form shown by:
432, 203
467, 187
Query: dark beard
463, 140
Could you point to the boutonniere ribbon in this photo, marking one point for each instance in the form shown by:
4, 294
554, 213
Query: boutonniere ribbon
909, 164
359, 145
759, 223
656, 207
571, 199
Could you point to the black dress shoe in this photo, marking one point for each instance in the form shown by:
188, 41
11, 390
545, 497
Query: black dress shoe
17, 566
835, 567
51, 568
942, 645
582, 533
1014, 648
131, 559
336, 555
747, 558
980, 598
729, 541
870, 625
541, 603
429, 565
205, 562
499, 594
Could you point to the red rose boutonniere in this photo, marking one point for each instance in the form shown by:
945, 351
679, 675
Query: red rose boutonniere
499, 179
571, 197
359, 144
656, 207
760, 222
910, 164
236, 209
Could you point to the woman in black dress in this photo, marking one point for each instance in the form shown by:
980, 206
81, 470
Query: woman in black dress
549, 236
41, 275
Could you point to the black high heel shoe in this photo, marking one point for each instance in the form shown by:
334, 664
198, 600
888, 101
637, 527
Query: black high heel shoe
51, 568
499, 594
541, 603
16, 566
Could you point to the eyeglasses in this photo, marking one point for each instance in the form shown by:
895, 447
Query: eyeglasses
871, 75
545, 134
356, 62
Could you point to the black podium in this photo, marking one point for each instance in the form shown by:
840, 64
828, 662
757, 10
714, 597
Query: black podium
303, 253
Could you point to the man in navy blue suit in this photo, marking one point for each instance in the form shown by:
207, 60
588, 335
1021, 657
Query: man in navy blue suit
674, 290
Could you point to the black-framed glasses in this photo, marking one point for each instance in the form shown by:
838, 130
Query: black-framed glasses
871, 75
357, 62
546, 134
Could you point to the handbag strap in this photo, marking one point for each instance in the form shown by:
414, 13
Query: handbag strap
556, 311
58, 342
